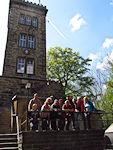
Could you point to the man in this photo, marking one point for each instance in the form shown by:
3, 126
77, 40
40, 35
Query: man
61, 120
72, 114
80, 104
81, 109
75, 119
35, 100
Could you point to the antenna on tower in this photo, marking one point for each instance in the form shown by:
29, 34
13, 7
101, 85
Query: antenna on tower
39, 2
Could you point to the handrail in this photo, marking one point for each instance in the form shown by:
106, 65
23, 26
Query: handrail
23, 122
102, 119
17, 124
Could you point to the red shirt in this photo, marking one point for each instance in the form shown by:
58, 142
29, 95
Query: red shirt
67, 107
80, 105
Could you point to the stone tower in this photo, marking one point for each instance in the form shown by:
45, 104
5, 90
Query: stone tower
25, 53
25, 61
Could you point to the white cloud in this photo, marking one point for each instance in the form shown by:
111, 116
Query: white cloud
76, 22
111, 3
93, 57
105, 64
107, 43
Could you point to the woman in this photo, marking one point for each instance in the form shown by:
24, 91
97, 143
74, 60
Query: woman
45, 114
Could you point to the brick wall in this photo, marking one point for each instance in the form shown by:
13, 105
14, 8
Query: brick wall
60, 140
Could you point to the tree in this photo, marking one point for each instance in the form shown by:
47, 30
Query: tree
70, 69
108, 96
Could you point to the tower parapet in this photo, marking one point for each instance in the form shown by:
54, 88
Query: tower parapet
29, 4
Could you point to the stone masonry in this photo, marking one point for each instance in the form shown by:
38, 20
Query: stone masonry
59, 140
16, 76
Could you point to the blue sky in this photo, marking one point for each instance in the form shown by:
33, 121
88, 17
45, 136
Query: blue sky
83, 25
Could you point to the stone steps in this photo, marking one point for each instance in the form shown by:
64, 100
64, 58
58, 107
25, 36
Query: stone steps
8, 142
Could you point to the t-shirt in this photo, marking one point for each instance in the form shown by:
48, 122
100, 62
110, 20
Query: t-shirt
89, 106
55, 107
33, 101
80, 106
34, 115
45, 108
67, 107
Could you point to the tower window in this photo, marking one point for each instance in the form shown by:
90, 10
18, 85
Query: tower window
31, 40
34, 22
25, 66
21, 19
22, 41
30, 67
28, 21
21, 65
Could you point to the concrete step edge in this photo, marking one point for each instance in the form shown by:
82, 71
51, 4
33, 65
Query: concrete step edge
11, 148
9, 134
5, 139
8, 143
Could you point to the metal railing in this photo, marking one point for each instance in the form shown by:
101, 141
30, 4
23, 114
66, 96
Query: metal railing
85, 120
17, 126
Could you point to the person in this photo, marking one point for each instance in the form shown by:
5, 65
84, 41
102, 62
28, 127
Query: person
55, 108
89, 107
75, 119
80, 104
61, 119
80, 110
51, 99
34, 115
45, 115
67, 108
72, 114
35, 100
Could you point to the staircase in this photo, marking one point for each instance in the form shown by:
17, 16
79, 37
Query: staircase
8, 142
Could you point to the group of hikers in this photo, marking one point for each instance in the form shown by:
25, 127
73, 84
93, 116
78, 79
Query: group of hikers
58, 114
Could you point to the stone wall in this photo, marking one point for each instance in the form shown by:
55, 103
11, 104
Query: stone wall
5, 120
10, 86
13, 82
60, 140
13, 50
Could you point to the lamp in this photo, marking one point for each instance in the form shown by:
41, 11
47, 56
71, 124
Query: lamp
28, 85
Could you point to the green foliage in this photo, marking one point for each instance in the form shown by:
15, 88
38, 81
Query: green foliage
107, 102
70, 69
108, 96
